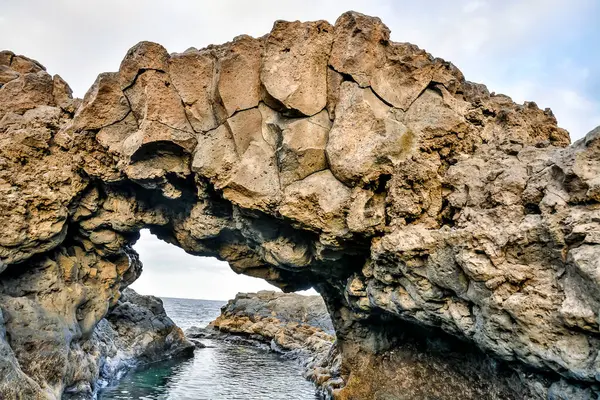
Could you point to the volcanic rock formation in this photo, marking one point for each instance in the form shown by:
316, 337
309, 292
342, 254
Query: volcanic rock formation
452, 233
136, 332
295, 324
276, 308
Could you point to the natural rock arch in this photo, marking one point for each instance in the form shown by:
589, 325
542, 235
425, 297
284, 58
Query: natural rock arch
417, 203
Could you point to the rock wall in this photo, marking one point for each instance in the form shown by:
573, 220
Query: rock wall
136, 332
433, 216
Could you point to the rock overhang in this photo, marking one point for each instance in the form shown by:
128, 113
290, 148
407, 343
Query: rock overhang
317, 155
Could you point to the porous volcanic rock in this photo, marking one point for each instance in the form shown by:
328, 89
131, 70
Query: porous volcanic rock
290, 321
137, 331
453, 234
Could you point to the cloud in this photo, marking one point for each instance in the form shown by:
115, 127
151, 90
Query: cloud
534, 50
171, 272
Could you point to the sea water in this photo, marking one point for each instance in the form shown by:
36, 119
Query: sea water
221, 371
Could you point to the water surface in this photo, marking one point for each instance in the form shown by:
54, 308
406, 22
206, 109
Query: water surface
190, 312
222, 371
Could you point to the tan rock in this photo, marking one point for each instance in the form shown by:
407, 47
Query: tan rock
239, 84
452, 233
104, 104
25, 65
113, 136
317, 202
26, 92
366, 213
215, 156
302, 148
294, 68
159, 112
201, 225
7, 74
334, 82
246, 127
155, 132
63, 95
154, 98
358, 48
142, 57
415, 191
397, 72
406, 72
6, 57
366, 139
254, 183
441, 123
272, 124
286, 252
193, 74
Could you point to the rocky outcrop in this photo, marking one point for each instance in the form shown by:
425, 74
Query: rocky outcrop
136, 332
280, 308
294, 325
286, 321
453, 234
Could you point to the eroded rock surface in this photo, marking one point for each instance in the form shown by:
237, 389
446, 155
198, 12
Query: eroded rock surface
291, 321
417, 203
135, 332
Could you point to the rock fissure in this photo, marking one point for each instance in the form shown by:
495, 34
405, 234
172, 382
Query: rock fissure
453, 234
138, 74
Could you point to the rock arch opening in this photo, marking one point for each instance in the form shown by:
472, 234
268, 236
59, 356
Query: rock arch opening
168, 271
318, 155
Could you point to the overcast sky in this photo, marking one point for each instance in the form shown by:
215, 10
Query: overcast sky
171, 272
547, 51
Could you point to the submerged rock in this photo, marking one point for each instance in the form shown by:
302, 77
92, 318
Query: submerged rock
198, 344
453, 234
196, 333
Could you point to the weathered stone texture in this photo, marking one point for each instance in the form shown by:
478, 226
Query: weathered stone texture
318, 155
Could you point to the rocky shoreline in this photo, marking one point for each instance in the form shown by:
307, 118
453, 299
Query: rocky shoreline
136, 332
297, 326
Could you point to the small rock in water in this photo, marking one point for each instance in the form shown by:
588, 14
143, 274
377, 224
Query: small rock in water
195, 332
198, 344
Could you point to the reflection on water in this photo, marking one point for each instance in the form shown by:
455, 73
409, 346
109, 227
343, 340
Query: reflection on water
222, 371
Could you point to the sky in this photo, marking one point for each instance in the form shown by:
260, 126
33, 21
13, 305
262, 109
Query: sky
547, 51
169, 271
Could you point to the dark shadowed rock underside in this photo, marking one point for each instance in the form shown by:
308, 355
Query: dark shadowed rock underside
454, 234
